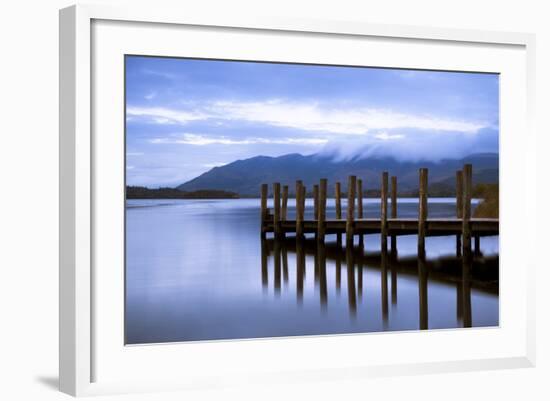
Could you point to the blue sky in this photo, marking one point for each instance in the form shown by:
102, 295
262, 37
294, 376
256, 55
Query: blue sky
186, 116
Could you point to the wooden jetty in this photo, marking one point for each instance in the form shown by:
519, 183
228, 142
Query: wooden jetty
387, 224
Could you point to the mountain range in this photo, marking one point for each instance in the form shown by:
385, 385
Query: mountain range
245, 176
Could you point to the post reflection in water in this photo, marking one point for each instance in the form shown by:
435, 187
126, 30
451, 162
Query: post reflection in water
456, 272
422, 289
466, 288
338, 266
352, 301
300, 269
322, 266
284, 254
393, 268
384, 285
265, 275
360, 271
277, 266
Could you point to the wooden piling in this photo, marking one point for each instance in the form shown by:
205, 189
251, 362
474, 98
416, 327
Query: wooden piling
277, 209
360, 209
315, 202
467, 208
322, 209
393, 245
299, 210
422, 290
338, 206
359, 198
263, 209
459, 206
422, 209
384, 211
284, 203
337, 198
350, 216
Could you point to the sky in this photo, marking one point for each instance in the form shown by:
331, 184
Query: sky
186, 116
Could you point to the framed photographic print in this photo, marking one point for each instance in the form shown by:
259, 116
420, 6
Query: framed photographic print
250, 201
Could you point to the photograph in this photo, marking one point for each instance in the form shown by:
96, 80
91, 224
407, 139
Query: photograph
268, 199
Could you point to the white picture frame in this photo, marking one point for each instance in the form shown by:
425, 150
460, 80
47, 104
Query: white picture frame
79, 214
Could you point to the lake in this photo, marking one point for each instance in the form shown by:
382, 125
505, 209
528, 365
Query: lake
198, 270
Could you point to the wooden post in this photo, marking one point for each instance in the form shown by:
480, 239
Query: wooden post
263, 207
322, 209
303, 207
285, 202
467, 209
384, 212
338, 196
466, 245
422, 209
338, 201
277, 209
350, 214
459, 206
299, 210
393, 213
477, 245
359, 198
360, 209
315, 202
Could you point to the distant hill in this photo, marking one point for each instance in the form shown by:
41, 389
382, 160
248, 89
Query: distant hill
172, 193
245, 176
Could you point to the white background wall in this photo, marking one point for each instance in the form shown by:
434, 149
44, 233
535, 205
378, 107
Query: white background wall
29, 195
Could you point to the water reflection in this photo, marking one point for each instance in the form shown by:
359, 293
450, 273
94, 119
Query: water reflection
471, 269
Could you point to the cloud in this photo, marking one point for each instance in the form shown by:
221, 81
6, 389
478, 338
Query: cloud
202, 140
134, 153
411, 146
388, 137
214, 164
162, 115
314, 117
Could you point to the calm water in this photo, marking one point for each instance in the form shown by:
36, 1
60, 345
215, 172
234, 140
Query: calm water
198, 270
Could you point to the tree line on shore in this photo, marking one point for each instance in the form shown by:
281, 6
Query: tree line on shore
137, 192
